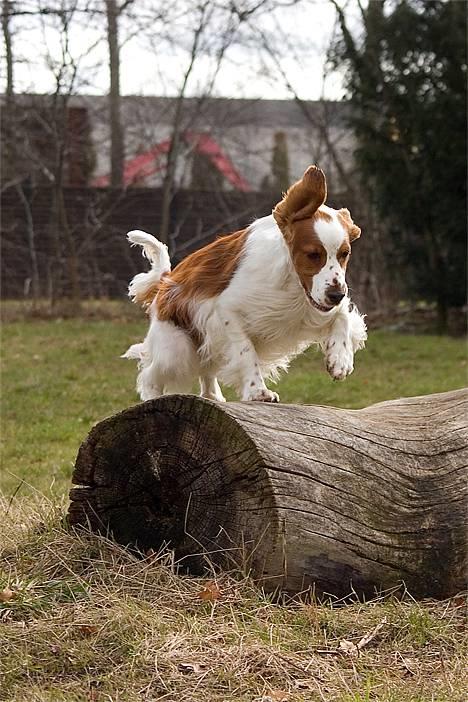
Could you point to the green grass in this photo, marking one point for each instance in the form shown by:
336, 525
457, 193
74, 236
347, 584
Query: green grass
82, 620
60, 377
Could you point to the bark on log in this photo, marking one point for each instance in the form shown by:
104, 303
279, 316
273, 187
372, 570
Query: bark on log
299, 495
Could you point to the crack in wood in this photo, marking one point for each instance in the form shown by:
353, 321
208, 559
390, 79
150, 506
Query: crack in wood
390, 502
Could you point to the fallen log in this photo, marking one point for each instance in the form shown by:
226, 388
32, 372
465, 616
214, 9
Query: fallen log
300, 496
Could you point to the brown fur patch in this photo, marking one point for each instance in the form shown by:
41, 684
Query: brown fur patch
343, 256
145, 299
296, 215
303, 198
346, 221
307, 251
202, 275
323, 215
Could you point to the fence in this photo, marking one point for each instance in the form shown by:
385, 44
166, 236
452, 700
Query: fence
84, 253
97, 220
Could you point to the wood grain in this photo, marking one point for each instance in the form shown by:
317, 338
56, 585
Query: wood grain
299, 496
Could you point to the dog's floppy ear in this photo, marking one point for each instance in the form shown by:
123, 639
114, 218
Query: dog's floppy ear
303, 198
353, 230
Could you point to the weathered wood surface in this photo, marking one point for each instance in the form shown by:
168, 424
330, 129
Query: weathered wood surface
299, 495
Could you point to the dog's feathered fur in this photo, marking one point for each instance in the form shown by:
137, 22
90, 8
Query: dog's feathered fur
240, 308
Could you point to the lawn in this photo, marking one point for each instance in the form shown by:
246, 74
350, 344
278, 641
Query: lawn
60, 377
83, 620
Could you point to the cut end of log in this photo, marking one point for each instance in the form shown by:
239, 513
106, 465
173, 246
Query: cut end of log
179, 473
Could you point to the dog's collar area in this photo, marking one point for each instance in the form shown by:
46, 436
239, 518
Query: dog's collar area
321, 308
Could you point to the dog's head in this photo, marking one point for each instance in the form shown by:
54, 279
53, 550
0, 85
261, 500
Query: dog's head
319, 239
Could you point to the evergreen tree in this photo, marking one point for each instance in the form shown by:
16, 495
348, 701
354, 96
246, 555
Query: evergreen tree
204, 175
407, 82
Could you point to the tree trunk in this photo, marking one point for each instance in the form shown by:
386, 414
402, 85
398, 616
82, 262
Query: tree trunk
7, 7
174, 148
8, 136
300, 496
117, 141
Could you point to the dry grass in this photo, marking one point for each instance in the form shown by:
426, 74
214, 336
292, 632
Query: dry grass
83, 619
102, 308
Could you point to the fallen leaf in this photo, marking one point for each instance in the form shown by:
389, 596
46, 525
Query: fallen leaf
211, 592
6, 595
459, 601
88, 629
93, 694
349, 648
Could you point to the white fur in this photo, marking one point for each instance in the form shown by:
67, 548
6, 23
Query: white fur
331, 235
157, 253
167, 361
252, 329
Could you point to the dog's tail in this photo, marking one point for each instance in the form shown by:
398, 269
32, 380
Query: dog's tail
144, 286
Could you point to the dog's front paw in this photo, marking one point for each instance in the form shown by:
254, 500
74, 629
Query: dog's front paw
261, 395
339, 360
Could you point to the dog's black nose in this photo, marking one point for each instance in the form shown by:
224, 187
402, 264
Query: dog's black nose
335, 296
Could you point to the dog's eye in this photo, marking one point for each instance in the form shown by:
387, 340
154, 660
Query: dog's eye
314, 256
344, 254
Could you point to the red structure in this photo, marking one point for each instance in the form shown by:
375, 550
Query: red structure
141, 166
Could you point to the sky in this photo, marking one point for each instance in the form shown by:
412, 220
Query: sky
148, 69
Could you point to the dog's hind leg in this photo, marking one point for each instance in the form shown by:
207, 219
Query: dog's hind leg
149, 383
169, 363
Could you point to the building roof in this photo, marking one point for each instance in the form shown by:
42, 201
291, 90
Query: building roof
228, 112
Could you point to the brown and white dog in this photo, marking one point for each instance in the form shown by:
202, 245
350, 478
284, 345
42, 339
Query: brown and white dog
240, 308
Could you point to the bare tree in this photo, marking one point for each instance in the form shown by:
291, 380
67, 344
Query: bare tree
212, 28
117, 138
7, 38
168, 184
44, 120
202, 36
326, 147
8, 117
8, 150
